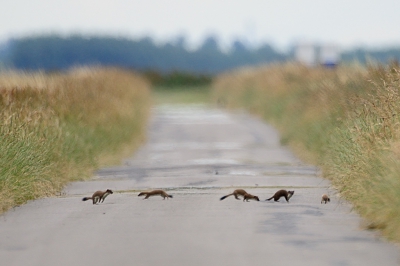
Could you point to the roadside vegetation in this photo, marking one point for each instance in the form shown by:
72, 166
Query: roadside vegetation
345, 120
180, 87
56, 128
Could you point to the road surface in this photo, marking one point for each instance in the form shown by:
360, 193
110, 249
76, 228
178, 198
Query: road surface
197, 155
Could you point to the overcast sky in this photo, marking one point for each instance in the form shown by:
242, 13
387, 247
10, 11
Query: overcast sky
347, 23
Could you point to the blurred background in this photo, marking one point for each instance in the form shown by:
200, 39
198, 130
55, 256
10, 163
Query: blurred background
198, 36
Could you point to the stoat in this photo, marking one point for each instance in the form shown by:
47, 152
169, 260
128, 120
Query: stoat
99, 196
241, 192
325, 198
282, 193
159, 192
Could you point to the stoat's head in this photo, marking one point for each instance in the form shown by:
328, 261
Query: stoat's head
109, 191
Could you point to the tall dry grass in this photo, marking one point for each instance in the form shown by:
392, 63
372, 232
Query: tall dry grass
344, 120
58, 128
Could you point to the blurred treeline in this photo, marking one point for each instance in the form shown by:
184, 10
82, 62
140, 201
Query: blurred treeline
57, 53
54, 53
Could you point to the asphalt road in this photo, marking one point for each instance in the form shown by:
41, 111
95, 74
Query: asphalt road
197, 155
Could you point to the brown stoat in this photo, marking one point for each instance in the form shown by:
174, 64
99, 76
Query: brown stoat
282, 193
325, 198
99, 196
248, 197
159, 192
241, 192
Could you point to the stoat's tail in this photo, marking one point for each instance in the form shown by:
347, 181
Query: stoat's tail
86, 198
224, 197
270, 198
141, 194
170, 196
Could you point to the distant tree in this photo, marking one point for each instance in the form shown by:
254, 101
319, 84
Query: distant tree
209, 58
239, 47
180, 42
266, 54
240, 55
365, 56
210, 44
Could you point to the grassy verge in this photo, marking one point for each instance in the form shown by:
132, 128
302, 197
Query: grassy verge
182, 95
344, 120
58, 128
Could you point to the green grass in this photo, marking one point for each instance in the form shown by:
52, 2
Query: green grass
59, 128
182, 95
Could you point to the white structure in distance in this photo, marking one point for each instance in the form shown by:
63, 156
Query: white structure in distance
311, 55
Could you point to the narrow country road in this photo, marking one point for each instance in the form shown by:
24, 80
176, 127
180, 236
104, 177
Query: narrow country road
198, 155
